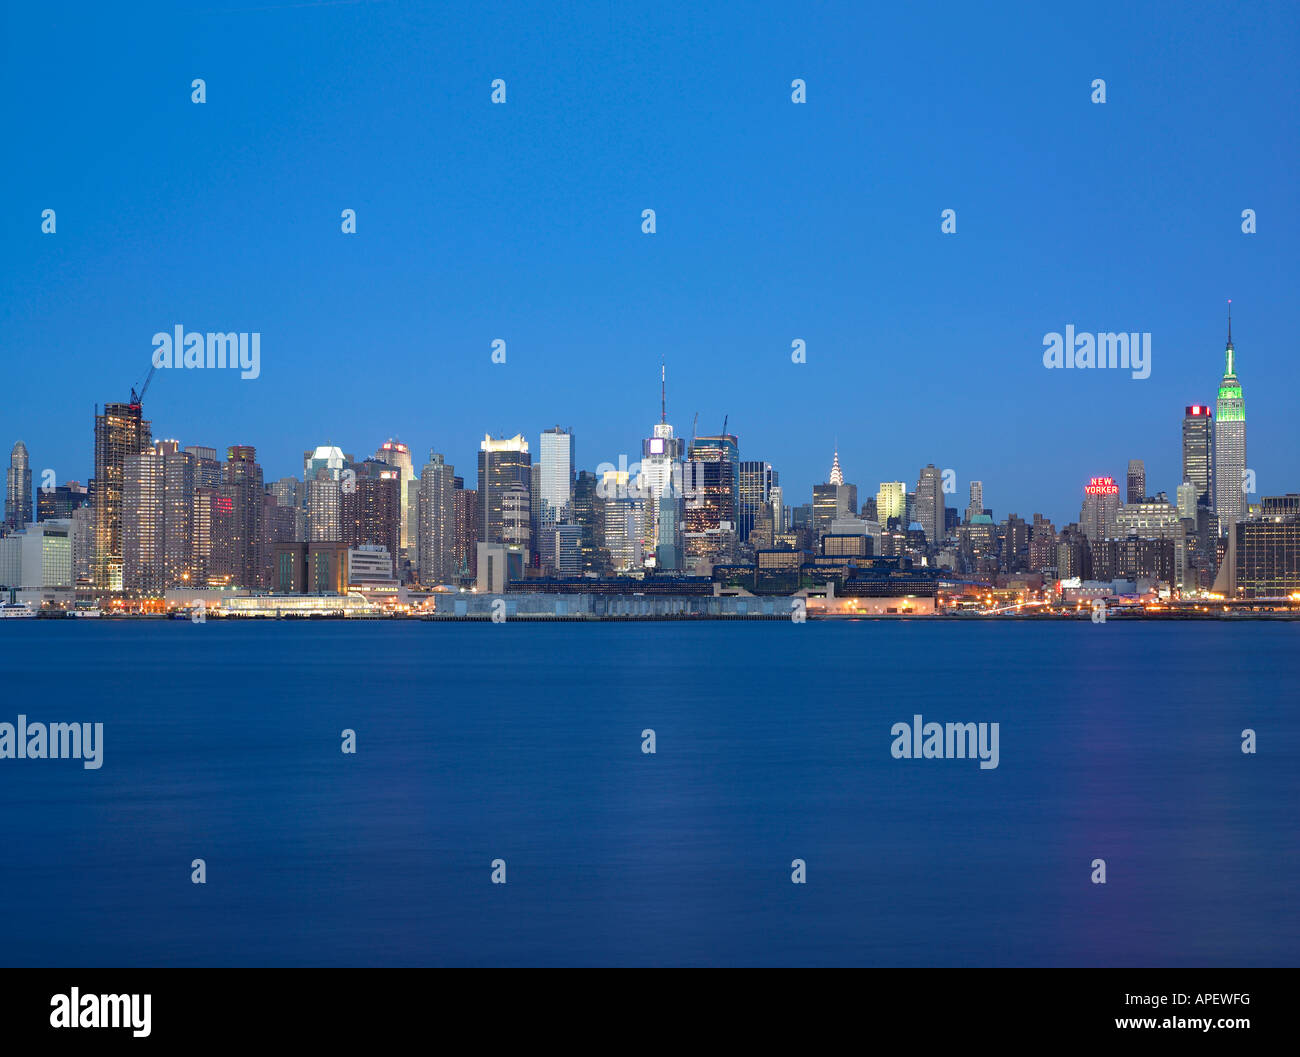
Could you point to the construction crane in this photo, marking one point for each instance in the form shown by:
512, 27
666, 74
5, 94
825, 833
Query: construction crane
724, 425
694, 427
137, 399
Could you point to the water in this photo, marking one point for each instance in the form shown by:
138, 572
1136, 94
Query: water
523, 742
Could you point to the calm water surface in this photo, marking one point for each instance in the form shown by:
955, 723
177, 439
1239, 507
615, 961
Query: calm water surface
523, 742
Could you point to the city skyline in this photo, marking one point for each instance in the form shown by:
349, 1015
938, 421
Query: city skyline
792, 496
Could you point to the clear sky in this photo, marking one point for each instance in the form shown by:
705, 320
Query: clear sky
775, 221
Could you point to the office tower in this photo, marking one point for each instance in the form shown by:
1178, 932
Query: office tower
121, 431
504, 467
466, 541
891, 502
60, 501
1198, 450
241, 550
1137, 481
976, 504
555, 474
756, 482
930, 505
661, 460
1156, 519
18, 488
780, 515
711, 505
568, 550
669, 515
143, 521
1187, 501
398, 456
1266, 555
623, 522
517, 518
534, 497
372, 507
1229, 442
38, 559
832, 500
589, 514
437, 562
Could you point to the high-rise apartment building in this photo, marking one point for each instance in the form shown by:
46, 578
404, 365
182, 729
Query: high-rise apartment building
437, 562
241, 551
120, 432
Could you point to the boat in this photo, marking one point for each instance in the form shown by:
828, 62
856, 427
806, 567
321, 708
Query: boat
19, 610
85, 609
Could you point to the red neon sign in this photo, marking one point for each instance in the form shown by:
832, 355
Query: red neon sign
1101, 486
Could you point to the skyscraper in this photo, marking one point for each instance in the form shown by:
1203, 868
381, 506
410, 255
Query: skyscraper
1100, 509
398, 455
555, 474
179, 485
372, 507
18, 488
976, 504
437, 522
504, 466
324, 472
930, 505
121, 431
1230, 442
832, 500
1198, 450
466, 541
144, 519
756, 482
241, 550
661, 464
711, 507
891, 501
1137, 481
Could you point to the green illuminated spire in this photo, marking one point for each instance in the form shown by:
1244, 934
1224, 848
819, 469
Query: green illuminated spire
1229, 353
1231, 406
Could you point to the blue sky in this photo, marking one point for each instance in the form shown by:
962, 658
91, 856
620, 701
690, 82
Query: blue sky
775, 222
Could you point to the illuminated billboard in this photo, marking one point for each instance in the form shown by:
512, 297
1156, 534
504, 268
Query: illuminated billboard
1101, 486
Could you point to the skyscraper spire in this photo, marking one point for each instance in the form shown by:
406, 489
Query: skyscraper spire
1229, 351
837, 475
663, 391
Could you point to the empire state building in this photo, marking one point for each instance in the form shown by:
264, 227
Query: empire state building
1230, 442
